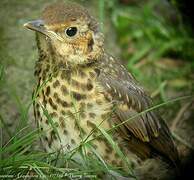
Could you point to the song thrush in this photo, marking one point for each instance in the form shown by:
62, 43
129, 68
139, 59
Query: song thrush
82, 90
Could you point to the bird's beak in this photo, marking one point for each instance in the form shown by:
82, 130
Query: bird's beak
37, 25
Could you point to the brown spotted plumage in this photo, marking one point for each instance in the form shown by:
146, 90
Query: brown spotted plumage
82, 87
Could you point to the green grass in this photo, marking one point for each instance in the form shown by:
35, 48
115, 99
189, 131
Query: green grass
146, 39
156, 50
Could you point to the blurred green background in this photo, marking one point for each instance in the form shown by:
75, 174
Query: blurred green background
149, 37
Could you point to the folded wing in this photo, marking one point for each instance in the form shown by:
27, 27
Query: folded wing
145, 131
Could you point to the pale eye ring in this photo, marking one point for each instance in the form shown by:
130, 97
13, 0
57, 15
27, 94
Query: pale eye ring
71, 31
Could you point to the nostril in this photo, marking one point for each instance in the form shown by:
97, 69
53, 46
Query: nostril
41, 25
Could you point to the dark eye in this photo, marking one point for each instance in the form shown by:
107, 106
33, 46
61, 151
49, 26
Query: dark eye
71, 31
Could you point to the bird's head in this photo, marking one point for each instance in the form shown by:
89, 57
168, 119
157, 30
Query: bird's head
68, 31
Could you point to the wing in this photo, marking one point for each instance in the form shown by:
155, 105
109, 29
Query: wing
146, 133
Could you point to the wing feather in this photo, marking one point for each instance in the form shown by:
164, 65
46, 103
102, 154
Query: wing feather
130, 98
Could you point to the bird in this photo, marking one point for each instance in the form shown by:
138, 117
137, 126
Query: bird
83, 92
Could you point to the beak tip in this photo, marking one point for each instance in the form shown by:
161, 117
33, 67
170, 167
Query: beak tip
25, 25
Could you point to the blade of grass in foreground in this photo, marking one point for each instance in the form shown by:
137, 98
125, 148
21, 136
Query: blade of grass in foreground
117, 150
141, 113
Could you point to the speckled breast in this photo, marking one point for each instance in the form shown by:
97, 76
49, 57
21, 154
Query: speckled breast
75, 104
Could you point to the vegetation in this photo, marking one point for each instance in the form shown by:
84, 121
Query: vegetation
157, 50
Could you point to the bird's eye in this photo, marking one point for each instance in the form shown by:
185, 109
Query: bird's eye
71, 31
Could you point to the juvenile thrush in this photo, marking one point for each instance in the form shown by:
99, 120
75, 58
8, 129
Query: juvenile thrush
83, 89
